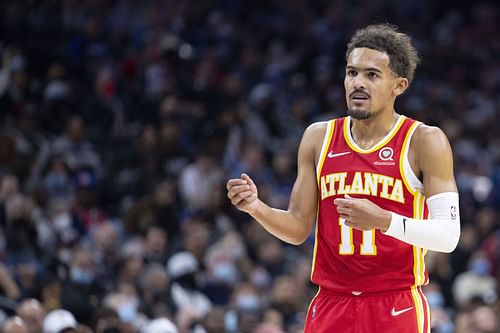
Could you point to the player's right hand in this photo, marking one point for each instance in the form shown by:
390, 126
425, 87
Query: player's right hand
243, 193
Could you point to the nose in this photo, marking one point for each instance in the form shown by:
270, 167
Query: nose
358, 82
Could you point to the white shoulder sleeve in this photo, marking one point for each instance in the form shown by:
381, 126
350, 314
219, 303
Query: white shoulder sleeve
440, 232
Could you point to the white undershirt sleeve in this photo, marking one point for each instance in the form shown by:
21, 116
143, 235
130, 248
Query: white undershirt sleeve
440, 232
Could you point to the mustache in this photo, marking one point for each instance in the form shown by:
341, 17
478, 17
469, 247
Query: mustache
359, 91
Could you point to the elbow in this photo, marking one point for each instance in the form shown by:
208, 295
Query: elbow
450, 246
298, 240
449, 249
302, 230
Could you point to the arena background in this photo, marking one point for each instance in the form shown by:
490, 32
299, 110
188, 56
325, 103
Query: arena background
121, 120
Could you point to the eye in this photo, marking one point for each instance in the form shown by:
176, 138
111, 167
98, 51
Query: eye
372, 75
351, 72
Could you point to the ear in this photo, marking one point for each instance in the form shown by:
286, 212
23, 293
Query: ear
401, 86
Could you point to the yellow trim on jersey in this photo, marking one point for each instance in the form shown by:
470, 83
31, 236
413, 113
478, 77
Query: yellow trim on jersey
418, 253
416, 257
322, 155
418, 209
421, 253
350, 142
416, 266
324, 148
404, 150
419, 309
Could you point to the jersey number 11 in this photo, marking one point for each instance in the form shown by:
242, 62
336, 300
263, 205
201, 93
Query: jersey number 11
346, 246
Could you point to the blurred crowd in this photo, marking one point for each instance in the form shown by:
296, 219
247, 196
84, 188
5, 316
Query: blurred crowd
121, 120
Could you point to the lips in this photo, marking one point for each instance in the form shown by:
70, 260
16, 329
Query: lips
359, 96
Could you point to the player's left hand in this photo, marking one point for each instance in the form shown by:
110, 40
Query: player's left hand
362, 214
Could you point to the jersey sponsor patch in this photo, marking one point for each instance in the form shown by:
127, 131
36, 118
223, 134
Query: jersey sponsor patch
385, 157
386, 154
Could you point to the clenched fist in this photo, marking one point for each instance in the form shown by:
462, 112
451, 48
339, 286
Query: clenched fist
243, 193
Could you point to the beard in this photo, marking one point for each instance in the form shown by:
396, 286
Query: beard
359, 114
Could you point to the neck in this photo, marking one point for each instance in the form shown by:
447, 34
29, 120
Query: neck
368, 132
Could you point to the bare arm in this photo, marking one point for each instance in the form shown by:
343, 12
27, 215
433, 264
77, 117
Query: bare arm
294, 224
434, 160
8, 283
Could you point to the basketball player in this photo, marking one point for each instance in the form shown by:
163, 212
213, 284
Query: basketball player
381, 188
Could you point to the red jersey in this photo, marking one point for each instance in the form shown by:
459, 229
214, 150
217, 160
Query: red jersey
353, 261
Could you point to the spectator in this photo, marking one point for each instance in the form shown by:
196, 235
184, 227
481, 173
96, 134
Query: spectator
15, 325
81, 291
86, 208
199, 179
59, 320
160, 325
77, 152
154, 284
106, 319
184, 290
476, 283
32, 313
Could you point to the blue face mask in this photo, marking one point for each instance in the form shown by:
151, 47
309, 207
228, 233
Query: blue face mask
248, 302
225, 273
231, 322
127, 311
56, 183
435, 299
80, 276
480, 266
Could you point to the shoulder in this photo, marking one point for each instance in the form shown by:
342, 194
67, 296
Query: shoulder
313, 138
315, 133
430, 142
317, 128
428, 136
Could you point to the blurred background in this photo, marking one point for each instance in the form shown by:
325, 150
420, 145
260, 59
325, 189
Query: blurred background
121, 120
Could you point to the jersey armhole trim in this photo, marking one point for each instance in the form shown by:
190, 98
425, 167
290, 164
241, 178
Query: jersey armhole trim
324, 147
410, 179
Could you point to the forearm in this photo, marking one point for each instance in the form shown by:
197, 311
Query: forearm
282, 224
8, 284
439, 233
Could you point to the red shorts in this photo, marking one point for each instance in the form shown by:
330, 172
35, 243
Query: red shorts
392, 312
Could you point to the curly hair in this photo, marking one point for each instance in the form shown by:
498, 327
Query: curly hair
403, 57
